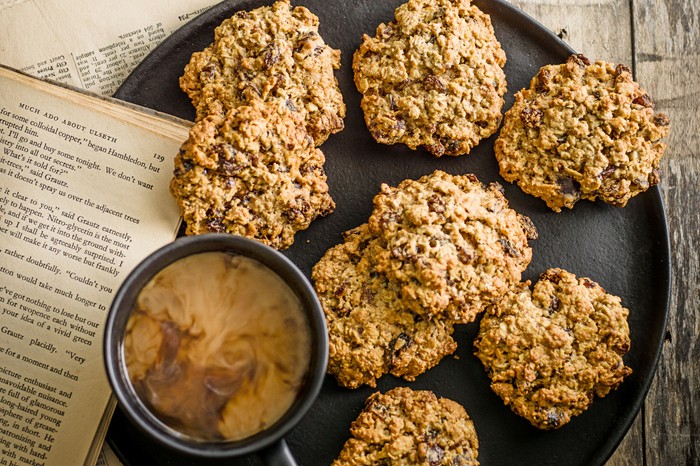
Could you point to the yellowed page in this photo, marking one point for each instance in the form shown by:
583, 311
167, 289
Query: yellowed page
83, 197
92, 44
108, 457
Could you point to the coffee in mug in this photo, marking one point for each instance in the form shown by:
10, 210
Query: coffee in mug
217, 346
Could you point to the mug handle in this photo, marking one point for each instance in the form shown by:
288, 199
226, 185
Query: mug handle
278, 454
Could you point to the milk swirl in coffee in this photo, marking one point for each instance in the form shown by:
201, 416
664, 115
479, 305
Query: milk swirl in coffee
217, 346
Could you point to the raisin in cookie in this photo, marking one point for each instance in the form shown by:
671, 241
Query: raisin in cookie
252, 172
582, 131
452, 245
270, 53
550, 350
371, 333
410, 427
433, 77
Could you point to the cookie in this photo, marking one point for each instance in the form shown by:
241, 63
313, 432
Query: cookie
452, 244
252, 172
270, 53
432, 77
582, 131
407, 427
371, 333
550, 350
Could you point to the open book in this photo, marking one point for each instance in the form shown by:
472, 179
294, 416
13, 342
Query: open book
92, 44
83, 198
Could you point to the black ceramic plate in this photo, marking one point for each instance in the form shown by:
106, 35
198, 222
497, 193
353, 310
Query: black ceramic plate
625, 250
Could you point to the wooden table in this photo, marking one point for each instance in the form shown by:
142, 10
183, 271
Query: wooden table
660, 41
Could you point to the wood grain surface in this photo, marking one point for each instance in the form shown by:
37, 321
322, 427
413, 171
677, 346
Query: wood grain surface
660, 41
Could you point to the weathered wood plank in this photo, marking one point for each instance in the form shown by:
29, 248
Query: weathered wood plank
667, 56
661, 40
601, 30
630, 452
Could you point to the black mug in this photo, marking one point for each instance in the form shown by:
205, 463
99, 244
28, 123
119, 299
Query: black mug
269, 443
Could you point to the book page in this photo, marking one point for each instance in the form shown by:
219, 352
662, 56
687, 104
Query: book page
108, 457
83, 197
91, 44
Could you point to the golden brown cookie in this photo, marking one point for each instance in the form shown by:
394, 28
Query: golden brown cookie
252, 172
582, 131
451, 244
550, 350
403, 427
269, 53
371, 332
432, 77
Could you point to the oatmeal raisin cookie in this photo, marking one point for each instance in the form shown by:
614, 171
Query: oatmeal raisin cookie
452, 244
432, 77
582, 131
254, 172
371, 332
551, 350
405, 427
270, 53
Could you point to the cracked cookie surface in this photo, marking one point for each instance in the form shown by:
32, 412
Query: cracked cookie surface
551, 349
432, 77
269, 53
253, 172
410, 427
452, 244
370, 332
582, 131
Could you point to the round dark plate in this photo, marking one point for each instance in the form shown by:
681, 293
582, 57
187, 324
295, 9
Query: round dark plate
625, 250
